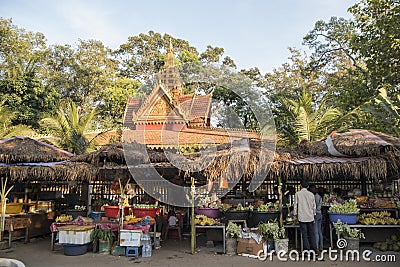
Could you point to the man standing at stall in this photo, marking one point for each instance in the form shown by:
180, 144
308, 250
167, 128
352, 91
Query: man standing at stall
305, 211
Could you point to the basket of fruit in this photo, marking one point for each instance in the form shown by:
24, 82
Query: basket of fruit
347, 212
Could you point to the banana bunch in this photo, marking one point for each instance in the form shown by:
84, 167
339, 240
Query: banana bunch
64, 218
377, 218
204, 220
129, 217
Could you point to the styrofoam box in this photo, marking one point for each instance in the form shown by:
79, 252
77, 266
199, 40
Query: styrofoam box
130, 238
75, 237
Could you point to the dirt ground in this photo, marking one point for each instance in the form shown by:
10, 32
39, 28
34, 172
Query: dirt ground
174, 253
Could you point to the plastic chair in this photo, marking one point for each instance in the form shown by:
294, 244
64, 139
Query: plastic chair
176, 227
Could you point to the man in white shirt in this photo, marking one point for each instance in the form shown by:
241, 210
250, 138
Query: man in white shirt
305, 211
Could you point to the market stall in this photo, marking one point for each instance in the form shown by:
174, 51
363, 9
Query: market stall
41, 175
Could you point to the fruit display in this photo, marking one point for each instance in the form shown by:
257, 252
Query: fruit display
64, 218
391, 244
377, 203
130, 219
377, 218
204, 220
145, 206
269, 207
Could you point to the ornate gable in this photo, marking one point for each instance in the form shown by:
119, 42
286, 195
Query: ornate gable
159, 107
167, 104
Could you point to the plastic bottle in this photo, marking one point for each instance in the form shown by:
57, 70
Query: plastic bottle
146, 245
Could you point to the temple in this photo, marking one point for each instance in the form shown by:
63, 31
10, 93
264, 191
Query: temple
167, 107
169, 118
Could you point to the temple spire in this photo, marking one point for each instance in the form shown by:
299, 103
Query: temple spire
169, 63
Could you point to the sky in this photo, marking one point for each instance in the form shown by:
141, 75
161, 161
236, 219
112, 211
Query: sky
254, 33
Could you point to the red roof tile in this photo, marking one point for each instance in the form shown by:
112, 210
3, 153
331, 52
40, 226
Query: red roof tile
187, 137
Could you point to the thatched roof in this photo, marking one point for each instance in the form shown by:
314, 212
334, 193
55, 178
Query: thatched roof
375, 156
24, 149
354, 143
26, 159
113, 155
65, 171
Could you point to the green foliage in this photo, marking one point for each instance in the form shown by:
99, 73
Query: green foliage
7, 129
344, 230
114, 99
22, 55
298, 119
69, 126
269, 229
386, 110
212, 54
280, 234
103, 234
348, 207
143, 55
27, 98
378, 40
269, 207
81, 74
233, 230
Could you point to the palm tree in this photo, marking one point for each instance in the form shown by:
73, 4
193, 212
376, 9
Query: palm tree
69, 126
385, 110
300, 119
7, 129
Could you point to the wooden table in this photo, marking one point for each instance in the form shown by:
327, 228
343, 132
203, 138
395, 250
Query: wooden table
220, 227
296, 228
13, 223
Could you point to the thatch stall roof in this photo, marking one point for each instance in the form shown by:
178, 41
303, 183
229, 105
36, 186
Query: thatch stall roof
374, 157
26, 159
112, 156
55, 171
24, 149
354, 143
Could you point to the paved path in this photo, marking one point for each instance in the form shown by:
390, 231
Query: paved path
172, 254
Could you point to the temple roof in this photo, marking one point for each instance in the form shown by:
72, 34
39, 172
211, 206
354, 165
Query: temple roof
203, 137
167, 103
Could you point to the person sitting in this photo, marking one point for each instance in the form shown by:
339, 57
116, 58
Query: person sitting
172, 220
173, 224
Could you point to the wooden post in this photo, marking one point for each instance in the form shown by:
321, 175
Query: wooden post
280, 202
192, 191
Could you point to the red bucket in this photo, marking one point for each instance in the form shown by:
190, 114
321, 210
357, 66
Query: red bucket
143, 212
111, 211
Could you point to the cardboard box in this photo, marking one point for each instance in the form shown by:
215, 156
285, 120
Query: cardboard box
249, 246
130, 238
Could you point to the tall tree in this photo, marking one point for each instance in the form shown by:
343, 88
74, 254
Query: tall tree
114, 99
22, 55
7, 129
377, 41
291, 79
69, 125
81, 74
